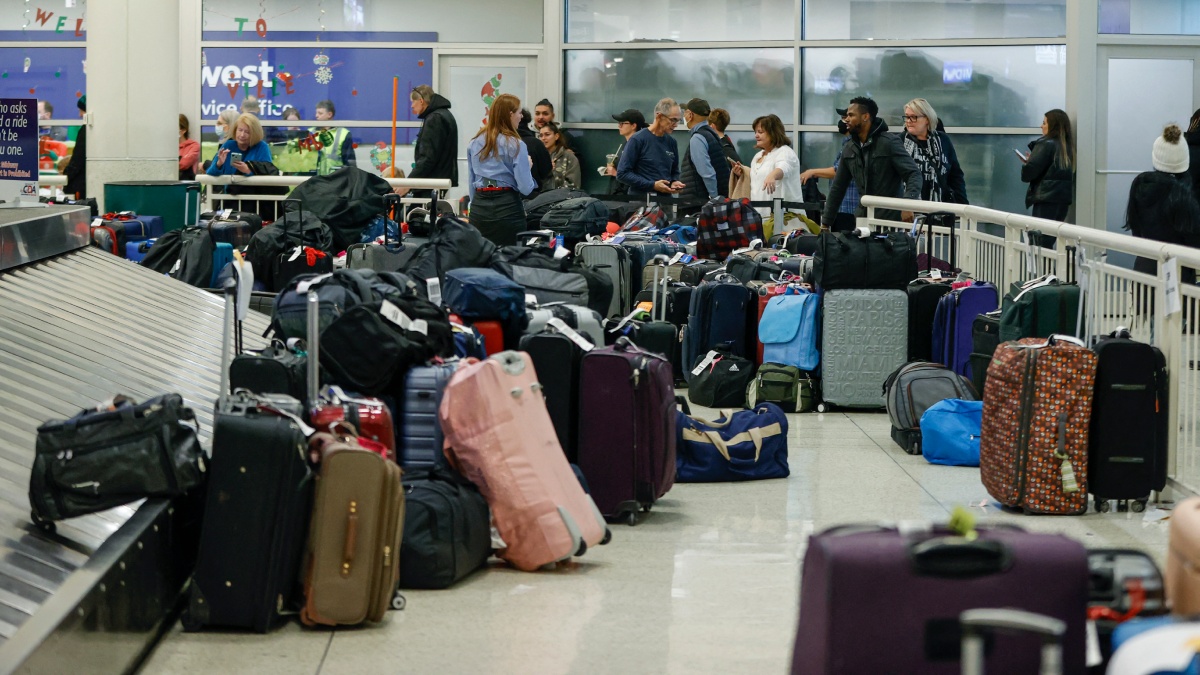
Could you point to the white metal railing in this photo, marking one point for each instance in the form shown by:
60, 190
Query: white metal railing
1004, 253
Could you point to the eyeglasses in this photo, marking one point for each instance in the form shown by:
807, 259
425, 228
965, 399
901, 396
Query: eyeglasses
672, 120
913, 118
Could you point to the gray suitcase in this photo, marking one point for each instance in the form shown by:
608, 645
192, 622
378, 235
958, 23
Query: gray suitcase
376, 257
612, 260
551, 286
583, 319
419, 445
864, 339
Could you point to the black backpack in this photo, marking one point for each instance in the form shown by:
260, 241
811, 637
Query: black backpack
538, 206
186, 255
576, 218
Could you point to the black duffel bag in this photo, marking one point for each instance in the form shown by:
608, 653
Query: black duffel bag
103, 458
447, 529
723, 382
878, 261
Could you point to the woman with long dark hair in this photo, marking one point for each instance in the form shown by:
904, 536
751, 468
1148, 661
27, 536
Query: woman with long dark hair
498, 173
1050, 168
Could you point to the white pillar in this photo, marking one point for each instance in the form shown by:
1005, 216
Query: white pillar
1083, 20
132, 92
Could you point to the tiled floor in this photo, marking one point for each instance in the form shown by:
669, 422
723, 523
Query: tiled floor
707, 583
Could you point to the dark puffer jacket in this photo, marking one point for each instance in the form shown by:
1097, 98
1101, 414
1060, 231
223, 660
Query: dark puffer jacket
1049, 181
1163, 208
436, 153
1193, 143
879, 167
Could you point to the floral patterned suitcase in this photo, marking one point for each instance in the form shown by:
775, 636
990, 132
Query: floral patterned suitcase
1036, 415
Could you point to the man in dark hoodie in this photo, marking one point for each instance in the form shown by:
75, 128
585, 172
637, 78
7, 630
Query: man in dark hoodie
875, 160
436, 154
542, 164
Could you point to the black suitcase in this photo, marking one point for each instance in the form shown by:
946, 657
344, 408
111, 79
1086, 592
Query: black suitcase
923, 297
985, 338
296, 260
694, 272
1127, 453
556, 360
658, 335
255, 516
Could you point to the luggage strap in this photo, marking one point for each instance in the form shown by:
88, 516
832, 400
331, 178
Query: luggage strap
711, 437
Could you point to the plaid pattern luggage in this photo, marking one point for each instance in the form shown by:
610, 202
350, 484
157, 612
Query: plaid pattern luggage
726, 225
1036, 415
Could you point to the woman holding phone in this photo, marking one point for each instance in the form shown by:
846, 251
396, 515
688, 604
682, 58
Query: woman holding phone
245, 153
1049, 168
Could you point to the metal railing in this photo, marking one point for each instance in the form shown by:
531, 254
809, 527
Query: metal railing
996, 246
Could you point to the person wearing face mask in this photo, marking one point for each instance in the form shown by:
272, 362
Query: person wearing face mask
246, 154
566, 172
875, 159
942, 176
225, 122
844, 219
650, 161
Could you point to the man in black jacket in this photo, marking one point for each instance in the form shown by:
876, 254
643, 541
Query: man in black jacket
542, 164
875, 160
436, 154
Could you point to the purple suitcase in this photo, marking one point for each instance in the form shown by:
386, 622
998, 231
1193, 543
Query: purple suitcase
955, 315
874, 600
626, 445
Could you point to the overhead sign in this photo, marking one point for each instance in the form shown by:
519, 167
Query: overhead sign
18, 150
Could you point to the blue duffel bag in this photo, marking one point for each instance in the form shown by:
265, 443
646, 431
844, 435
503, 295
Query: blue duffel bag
476, 293
749, 445
950, 432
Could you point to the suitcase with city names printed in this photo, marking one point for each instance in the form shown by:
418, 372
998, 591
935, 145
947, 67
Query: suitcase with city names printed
864, 339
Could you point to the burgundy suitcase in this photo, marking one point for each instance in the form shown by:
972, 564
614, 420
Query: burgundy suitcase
626, 443
876, 600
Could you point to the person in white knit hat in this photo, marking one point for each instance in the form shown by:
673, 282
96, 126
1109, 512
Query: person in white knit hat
1161, 205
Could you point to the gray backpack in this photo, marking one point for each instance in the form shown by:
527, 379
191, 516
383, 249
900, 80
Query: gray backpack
914, 388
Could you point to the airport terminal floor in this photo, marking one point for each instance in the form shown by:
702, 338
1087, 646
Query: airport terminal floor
707, 583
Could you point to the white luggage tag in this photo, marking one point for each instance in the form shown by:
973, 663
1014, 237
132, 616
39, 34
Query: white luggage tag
243, 273
1174, 303
708, 359
561, 326
397, 316
433, 286
561, 252
296, 253
303, 286
627, 319
676, 258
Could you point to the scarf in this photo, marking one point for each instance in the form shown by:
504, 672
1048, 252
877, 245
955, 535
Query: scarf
929, 161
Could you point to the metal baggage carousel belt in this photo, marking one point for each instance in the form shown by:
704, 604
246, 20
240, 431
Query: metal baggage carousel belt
74, 330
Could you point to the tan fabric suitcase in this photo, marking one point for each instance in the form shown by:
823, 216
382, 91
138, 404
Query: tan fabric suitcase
1183, 559
352, 563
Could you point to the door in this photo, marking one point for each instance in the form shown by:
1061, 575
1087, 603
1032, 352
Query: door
1135, 115
472, 83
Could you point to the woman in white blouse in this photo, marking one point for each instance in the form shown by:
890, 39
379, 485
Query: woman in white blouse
775, 170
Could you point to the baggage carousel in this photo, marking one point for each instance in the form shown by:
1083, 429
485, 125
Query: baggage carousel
78, 325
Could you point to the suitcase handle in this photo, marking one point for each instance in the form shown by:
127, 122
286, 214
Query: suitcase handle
351, 538
956, 557
976, 622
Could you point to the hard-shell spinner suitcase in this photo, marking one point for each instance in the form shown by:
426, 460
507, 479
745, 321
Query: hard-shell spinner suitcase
614, 261
352, 561
864, 338
421, 439
1036, 416
1127, 452
902, 593
500, 437
256, 513
628, 465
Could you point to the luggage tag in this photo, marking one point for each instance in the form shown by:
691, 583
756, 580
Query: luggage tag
433, 286
531, 300
935, 274
561, 326
97, 221
676, 258
561, 252
303, 286
296, 253
708, 359
397, 316
627, 319
1174, 303
617, 239
687, 259
1094, 655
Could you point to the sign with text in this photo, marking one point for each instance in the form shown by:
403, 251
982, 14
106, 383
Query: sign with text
18, 149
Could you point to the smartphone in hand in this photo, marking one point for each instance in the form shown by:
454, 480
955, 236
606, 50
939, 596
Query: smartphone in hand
235, 157
1023, 158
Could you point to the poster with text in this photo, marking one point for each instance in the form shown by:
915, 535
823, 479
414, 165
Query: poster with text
18, 149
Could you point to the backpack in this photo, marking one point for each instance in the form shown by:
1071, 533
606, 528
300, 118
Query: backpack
788, 330
576, 218
785, 386
336, 293
911, 390
538, 206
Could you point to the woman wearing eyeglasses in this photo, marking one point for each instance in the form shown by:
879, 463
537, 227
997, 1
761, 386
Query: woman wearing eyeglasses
498, 173
566, 173
934, 154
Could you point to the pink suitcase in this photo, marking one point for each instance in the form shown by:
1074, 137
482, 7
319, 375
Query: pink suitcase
1183, 558
499, 435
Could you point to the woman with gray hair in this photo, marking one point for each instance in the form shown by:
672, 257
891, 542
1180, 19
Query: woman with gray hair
934, 154
225, 124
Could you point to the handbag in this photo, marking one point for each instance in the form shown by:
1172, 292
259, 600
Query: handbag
746, 445
844, 261
113, 455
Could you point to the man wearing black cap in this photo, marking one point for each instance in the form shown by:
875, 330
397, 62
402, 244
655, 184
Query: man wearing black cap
705, 170
628, 123
650, 161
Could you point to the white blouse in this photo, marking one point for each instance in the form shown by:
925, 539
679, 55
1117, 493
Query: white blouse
788, 188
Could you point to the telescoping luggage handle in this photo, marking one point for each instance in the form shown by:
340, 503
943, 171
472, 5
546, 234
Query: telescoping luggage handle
927, 219
976, 623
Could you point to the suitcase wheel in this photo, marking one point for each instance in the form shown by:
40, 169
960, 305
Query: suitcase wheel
1137, 505
631, 518
821, 407
398, 601
1102, 505
46, 526
607, 536
582, 548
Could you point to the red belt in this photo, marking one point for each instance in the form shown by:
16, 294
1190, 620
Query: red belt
494, 189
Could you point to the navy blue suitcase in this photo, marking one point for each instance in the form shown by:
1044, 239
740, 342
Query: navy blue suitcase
419, 444
716, 316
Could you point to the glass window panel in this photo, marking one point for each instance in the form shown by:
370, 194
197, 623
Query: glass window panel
1150, 17
55, 74
746, 82
993, 173
374, 20
680, 20
968, 86
933, 19
371, 151
359, 84
43, 22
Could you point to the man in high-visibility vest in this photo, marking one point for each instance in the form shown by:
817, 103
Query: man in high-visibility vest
337, 150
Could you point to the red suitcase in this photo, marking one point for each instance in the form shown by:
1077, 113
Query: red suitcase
493, 336
626, 446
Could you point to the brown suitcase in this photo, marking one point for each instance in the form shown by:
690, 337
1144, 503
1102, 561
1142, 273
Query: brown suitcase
1183, 558
1037, 409
352, 563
